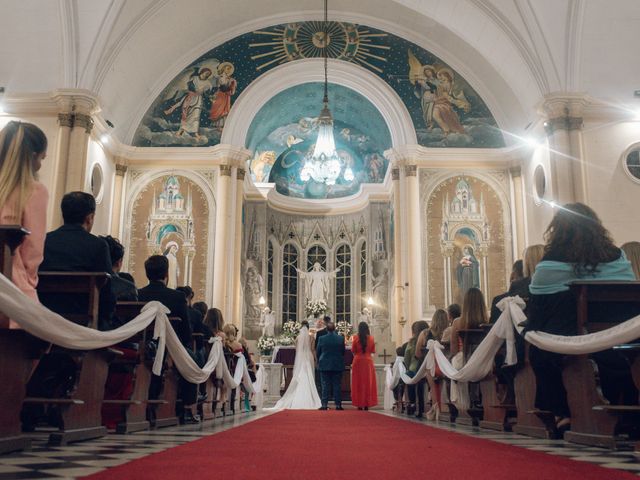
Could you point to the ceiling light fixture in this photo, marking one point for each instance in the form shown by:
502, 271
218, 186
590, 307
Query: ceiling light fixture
325, 165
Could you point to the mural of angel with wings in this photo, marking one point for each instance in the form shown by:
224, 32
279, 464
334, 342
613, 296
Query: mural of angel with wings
435, 88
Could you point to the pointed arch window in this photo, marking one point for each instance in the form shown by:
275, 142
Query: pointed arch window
270, 254
343, 284
316, 254
289, 283
363, 273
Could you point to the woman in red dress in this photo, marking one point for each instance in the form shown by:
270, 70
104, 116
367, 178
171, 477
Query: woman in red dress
364, 391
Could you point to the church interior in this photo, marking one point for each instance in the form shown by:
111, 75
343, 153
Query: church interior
375, 161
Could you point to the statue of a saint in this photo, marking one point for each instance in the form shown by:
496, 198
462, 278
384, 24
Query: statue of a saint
318, 282
467, 272
268, 322
174, 269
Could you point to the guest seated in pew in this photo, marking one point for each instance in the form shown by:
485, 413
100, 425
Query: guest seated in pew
231, 347
415, 391
453, 312
516, 274
23, 200
474, 314
632, 251
439, 323
157, 270
202, 308
72, 248
398, 392
214, 322
124, 289
578, 247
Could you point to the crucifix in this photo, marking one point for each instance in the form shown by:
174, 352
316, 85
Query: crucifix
384, 355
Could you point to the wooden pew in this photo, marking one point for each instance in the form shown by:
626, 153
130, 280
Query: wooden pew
19, 353
593, 420
498, 408
471, 338
529, 421
79, 413
133, 367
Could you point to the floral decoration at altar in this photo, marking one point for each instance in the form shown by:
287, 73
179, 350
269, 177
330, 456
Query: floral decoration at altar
291, 329
266, 344
315, 308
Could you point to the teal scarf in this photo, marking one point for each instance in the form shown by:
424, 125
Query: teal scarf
553, 277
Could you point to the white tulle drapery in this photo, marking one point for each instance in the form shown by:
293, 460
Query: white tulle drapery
51, 327
481, 362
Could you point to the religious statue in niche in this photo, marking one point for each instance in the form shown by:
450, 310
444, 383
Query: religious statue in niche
169, 231
468, 271
268, 322
317, 282
253, 290
174, 269
464, 232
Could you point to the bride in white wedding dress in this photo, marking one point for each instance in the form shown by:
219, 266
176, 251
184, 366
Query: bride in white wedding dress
302, 393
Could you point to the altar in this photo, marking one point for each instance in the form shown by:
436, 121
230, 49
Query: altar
286, 355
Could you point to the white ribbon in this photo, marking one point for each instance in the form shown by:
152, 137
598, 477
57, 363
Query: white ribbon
480, 364
51, 327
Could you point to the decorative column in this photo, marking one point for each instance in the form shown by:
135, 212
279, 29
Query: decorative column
116, 211
564, 132
237, 250
415, 250
399, 311
518, 213
65, 123
78, 148
220, 273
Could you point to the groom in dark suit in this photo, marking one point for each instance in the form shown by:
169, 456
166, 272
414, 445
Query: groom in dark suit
330, 354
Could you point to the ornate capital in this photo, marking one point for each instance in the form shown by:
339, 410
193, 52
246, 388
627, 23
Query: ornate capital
120, 170
65, 119
240, 174
515, 171
225, 170
562, 123
410, 170
84, 121
395, 173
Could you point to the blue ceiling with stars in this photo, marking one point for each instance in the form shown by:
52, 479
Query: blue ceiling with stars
191, 111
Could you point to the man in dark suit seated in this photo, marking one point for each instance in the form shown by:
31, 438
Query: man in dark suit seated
72, 248
123, 288
157, 269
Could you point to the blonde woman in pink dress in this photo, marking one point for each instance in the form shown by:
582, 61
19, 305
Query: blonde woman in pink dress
23, 200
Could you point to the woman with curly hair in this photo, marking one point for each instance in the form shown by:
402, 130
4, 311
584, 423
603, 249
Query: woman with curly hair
578, 247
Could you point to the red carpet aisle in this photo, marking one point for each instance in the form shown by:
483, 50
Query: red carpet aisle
315, 445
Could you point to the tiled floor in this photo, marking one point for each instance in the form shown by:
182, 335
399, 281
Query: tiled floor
85, 458
622, 460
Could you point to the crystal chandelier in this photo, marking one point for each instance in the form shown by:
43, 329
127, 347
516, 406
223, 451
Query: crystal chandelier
325, 165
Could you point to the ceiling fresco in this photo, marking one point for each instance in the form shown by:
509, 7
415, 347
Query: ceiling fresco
191, 111
285, 128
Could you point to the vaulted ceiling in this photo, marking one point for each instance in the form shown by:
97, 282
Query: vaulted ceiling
513, 52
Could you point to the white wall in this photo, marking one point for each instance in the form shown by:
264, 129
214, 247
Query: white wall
97, 156
611, 193
538, 213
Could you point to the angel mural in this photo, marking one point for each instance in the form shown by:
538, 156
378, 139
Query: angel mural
435, 89
208, 83
227, 86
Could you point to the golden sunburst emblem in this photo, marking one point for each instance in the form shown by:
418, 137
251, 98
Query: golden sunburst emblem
343, 41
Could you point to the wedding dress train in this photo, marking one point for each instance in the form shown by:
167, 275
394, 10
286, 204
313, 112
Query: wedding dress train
302, 393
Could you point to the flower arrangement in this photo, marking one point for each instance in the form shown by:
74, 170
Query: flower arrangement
291, 329
315, 308
344, 328
284, 340
266, 345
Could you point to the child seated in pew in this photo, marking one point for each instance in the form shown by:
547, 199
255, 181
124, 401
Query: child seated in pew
23, 200
578, 247
632, 251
